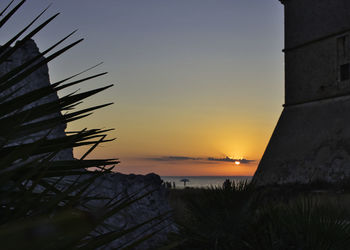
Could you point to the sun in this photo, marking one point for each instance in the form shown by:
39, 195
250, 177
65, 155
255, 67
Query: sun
237, 163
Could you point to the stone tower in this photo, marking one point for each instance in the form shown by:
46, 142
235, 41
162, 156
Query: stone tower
312, 138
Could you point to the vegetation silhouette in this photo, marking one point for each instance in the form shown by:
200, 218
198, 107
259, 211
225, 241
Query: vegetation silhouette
39, 210
241, 217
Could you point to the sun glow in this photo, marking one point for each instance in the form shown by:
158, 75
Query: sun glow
237, 163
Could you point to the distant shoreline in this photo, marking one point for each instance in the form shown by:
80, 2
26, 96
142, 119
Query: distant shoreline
202, 181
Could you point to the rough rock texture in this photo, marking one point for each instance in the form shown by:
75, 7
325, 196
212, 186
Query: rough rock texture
110, 185
36, 80
155, 204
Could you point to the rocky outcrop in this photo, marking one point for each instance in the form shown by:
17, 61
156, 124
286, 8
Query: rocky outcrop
108, 186
36, 80
153, 205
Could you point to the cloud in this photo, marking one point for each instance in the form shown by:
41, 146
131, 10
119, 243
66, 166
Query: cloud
227, 159
208, 159
173, 158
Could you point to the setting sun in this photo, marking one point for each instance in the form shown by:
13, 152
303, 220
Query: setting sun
225, 110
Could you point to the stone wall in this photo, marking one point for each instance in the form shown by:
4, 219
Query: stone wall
311, 140
307, 20
317, 44
311, 72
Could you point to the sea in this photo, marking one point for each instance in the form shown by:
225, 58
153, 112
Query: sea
203, 181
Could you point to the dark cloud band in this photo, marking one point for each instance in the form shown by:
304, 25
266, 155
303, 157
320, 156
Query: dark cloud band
173, 158
186, 158
227, 159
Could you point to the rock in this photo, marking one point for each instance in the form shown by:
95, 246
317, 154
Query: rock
109, 186
36, 80
153, 204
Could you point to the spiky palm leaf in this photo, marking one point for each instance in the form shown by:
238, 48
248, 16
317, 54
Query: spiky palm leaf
37, 206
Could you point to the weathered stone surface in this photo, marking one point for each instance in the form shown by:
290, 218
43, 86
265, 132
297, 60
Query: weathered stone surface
311, 142
314, 50
153, 205
311, 72
308, 20
311, 139
36, 80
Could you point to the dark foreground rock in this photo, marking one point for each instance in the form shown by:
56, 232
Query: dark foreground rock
129, 188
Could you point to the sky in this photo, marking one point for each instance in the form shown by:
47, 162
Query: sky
198, 84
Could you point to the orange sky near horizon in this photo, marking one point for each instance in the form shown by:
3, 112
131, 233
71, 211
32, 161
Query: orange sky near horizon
184, 168
200, 86
218, 138
196, 79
